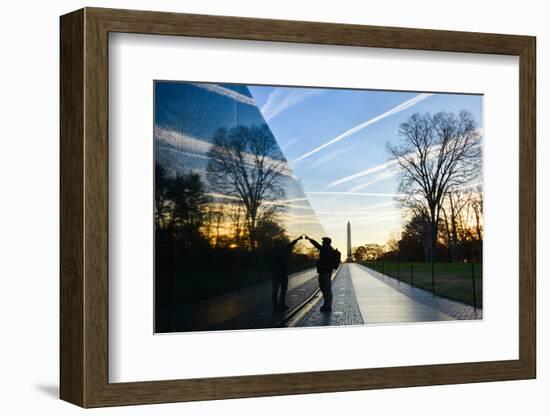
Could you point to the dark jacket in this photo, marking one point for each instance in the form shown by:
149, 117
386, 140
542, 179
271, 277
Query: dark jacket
326, 257
280, 259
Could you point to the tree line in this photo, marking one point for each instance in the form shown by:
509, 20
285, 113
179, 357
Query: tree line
216, 232
245, 168
439, 160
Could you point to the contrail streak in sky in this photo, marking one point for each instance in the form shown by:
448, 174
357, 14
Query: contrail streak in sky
352, 193
369, 171
218, 89
353, 130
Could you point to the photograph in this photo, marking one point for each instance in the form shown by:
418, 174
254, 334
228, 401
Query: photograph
295, 206
265, 204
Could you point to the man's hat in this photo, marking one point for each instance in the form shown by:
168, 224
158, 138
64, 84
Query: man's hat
327, 239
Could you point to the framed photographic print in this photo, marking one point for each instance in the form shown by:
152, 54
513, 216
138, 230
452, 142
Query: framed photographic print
258, 207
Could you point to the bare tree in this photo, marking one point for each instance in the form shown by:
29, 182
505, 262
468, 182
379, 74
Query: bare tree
436, 154
456, 202
180, 201
162, 184
246, 163
214, 218
477, 206
235, 215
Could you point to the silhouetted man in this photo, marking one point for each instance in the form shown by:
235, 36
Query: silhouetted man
279, 274
328, 258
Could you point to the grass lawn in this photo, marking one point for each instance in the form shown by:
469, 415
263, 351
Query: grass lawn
451, 280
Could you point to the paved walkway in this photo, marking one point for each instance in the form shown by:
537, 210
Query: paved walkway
381, 303
364, 296
345, 310
450, 307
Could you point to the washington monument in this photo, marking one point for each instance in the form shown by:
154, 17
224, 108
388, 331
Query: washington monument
349, 258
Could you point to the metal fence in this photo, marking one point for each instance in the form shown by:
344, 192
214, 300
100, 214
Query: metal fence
462, 282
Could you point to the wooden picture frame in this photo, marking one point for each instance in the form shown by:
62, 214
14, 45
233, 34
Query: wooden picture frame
84, 207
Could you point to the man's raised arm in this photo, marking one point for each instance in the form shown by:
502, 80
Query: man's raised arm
293, 243
315, 243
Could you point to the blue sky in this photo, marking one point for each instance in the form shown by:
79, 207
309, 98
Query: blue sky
335, 141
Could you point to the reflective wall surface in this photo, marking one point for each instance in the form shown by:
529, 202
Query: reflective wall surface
226, 201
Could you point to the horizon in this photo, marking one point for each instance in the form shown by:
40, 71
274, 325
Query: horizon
335, 143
